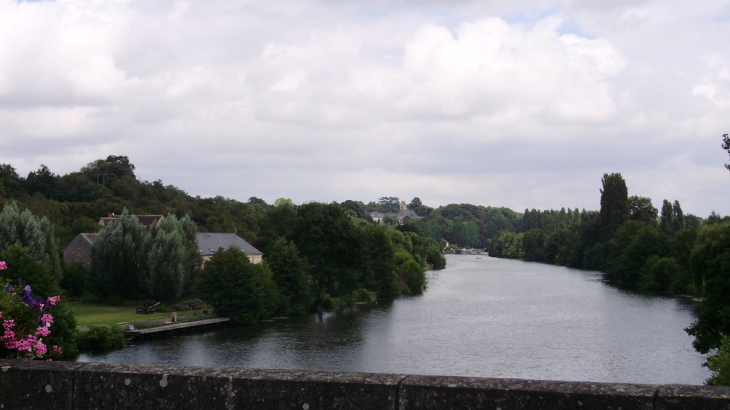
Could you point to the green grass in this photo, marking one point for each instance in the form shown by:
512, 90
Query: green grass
90, 314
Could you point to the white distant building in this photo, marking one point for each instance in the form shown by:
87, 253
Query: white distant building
398, 217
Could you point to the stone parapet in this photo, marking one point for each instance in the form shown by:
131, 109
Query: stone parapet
69, 385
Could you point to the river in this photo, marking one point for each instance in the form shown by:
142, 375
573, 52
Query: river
483, 317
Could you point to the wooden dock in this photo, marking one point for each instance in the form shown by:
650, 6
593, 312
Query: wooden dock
174, 329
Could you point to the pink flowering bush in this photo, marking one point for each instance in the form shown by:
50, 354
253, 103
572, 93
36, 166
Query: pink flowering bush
24, 322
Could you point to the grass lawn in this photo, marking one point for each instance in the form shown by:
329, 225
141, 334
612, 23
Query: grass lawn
88, 314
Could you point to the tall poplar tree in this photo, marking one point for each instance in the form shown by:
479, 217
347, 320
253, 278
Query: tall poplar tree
165, 278
117, 258
667, 219
614, 204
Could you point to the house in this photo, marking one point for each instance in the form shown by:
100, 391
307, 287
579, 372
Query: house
79, 250
398, 217
148, 221
210, 242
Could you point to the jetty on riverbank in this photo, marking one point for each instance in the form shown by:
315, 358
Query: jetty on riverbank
174, 329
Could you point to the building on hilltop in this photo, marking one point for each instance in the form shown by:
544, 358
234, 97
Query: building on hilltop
398, 217
210, 242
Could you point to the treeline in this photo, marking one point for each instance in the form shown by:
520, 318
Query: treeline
316, 255
459, 225
629, 240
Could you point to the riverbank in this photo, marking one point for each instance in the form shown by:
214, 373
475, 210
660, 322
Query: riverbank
170, 329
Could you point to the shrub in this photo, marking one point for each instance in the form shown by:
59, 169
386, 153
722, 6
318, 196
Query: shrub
101, 339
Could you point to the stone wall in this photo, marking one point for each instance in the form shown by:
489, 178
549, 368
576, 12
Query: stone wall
69, 385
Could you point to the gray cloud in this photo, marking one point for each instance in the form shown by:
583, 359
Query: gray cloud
520, 104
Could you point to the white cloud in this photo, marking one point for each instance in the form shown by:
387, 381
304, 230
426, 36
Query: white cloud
449, 101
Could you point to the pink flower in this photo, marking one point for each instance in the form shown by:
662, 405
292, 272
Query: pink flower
53, 300
40, 349
8, 324
1, 315
47, 318
43, 331
57, 350
3, 265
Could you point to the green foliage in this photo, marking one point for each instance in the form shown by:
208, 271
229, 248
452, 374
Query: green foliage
63, 331
291, 272
726, 147
165, 260
23, 228
238, 289
100, 339
614, 204
411, 276
118, 259
75, 278
642, 210
507, 245
633, 244
326, 236
35, 273
379, 261
710, 262
719, 364
348, 261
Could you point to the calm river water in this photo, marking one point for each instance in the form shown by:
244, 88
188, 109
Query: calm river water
483, 317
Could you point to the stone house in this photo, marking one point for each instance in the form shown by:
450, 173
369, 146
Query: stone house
398, 217
210, 242
79, 249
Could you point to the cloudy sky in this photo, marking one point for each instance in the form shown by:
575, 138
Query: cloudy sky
505, 102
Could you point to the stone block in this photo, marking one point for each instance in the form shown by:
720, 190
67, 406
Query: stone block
671, 397
438, 392
123, 386
314, 390
36, 385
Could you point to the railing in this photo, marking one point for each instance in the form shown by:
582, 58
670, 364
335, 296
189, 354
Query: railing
69, 385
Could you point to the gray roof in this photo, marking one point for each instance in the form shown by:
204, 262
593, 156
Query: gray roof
209, 242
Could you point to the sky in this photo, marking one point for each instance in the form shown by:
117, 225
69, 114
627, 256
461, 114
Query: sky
515, 103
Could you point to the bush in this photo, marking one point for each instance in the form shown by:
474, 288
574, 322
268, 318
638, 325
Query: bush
74, 279
720, 365
101, 339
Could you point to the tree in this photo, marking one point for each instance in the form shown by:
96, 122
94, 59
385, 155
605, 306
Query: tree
191, 259
118, 259
326, 236
283, 202
677, 217
614, 204
379, 262
21, 264
236, 288
641, 209
166, 273
667, 219
710, 262
43, 181
719, 364
726, 147
11, 182
291, 272
419, 208
24, 229
389, 204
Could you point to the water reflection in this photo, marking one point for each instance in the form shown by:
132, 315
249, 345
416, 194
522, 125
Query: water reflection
480, 317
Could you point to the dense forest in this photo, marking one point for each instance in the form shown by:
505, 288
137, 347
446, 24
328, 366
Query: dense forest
315, 255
